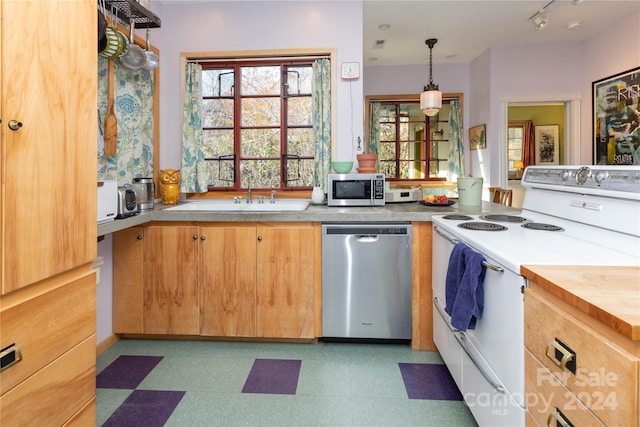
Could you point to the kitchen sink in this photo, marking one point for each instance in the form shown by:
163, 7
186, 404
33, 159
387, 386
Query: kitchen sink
229, 205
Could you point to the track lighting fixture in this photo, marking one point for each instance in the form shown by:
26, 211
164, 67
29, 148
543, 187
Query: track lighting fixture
540, 19
431, 98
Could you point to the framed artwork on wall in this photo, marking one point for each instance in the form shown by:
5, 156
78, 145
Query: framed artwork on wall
478, 137
547, 140
616, 119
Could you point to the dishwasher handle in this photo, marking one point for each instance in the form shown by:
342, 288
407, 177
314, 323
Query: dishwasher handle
367, 238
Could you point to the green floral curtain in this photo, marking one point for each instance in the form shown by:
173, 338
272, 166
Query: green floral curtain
455, 166
321, 99
133, 105
374, 127
194, 175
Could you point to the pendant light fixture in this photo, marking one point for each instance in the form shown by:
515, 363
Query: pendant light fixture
431, 98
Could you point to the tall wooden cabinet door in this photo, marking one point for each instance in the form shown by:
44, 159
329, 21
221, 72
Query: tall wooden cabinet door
49, 118
171, 280
228, 281
285, 281
128, 295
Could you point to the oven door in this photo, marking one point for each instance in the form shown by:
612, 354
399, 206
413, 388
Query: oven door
487, 363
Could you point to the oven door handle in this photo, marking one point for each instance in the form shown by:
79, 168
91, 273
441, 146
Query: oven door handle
438, 304
445, 236
461, 337
455, 241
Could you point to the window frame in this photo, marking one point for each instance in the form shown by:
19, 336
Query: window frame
280, 54
409, 98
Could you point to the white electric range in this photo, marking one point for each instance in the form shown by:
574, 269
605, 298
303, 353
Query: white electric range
572, 215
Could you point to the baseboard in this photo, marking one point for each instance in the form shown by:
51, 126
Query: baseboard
106, 343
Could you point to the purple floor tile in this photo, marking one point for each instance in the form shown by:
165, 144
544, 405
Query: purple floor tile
127, 371
149, 408
271, 376
429, 381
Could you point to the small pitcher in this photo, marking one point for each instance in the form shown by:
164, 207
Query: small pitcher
317, 195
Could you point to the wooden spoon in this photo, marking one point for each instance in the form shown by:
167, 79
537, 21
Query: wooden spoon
110, 121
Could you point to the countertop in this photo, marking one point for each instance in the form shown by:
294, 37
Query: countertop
391, 212
609, 294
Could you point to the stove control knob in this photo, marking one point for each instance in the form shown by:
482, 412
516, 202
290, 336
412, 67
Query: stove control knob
565, 175
583, 175
601, 176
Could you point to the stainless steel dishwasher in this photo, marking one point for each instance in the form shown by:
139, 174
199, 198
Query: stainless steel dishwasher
366, 280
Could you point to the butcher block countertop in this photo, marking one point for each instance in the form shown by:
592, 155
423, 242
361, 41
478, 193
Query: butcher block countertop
610, 295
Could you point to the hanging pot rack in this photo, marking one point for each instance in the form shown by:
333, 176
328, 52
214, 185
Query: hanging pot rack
128, 10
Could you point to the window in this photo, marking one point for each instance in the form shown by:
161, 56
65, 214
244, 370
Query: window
514, 148
257, 124
411, 145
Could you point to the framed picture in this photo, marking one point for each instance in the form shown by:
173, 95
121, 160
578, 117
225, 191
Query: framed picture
547, 145
616, 119
478, 137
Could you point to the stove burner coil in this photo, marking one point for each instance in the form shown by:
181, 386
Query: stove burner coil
542, 226
482, 226
503, 218
458, 217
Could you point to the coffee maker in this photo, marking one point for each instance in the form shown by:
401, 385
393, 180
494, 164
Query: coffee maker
145, 191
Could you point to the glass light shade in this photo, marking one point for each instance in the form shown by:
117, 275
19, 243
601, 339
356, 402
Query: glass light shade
431, 102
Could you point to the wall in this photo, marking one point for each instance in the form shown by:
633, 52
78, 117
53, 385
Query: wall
256, 25
542, 115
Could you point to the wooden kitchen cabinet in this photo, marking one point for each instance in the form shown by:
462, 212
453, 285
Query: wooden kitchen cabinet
259, 281
171, 300
128, 285
575, 364
48, 139
228, 281
48, 233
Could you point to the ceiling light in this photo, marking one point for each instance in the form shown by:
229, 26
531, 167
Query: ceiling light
431, 98
574, 25
576, 1
384, 27
540, 19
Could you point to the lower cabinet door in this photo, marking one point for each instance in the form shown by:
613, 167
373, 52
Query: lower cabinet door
54, 394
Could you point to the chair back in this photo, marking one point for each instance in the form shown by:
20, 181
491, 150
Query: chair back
502, 196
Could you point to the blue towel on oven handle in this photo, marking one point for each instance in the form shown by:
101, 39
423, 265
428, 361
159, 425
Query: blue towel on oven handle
464, 287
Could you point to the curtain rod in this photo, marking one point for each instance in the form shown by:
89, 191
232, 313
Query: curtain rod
250, 59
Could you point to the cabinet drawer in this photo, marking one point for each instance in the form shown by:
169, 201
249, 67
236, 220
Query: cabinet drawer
47, 325
604, 375
85, 416
54, 394
546, 396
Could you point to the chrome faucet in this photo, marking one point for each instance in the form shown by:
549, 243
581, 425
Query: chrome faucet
273, 196
249, 199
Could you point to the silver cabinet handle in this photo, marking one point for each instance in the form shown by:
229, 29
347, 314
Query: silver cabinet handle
9, 356
461, 338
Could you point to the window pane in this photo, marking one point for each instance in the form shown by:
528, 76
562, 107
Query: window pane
220, 173
300, 142
218, 142
217, 113
260, 143
299, 80
218, 82
260, 80
260, 173
388, 113
299, 111
387, 132
261, 112
387, 151
404, 132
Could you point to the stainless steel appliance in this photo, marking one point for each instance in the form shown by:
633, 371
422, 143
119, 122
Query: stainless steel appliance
400, 195
572, 215
355, 189
107, 201
127, 202
366, 281
145, 191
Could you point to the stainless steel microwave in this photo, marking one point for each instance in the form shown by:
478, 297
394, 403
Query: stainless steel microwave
355, 189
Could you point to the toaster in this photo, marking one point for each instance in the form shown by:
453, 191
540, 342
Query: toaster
127, 202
